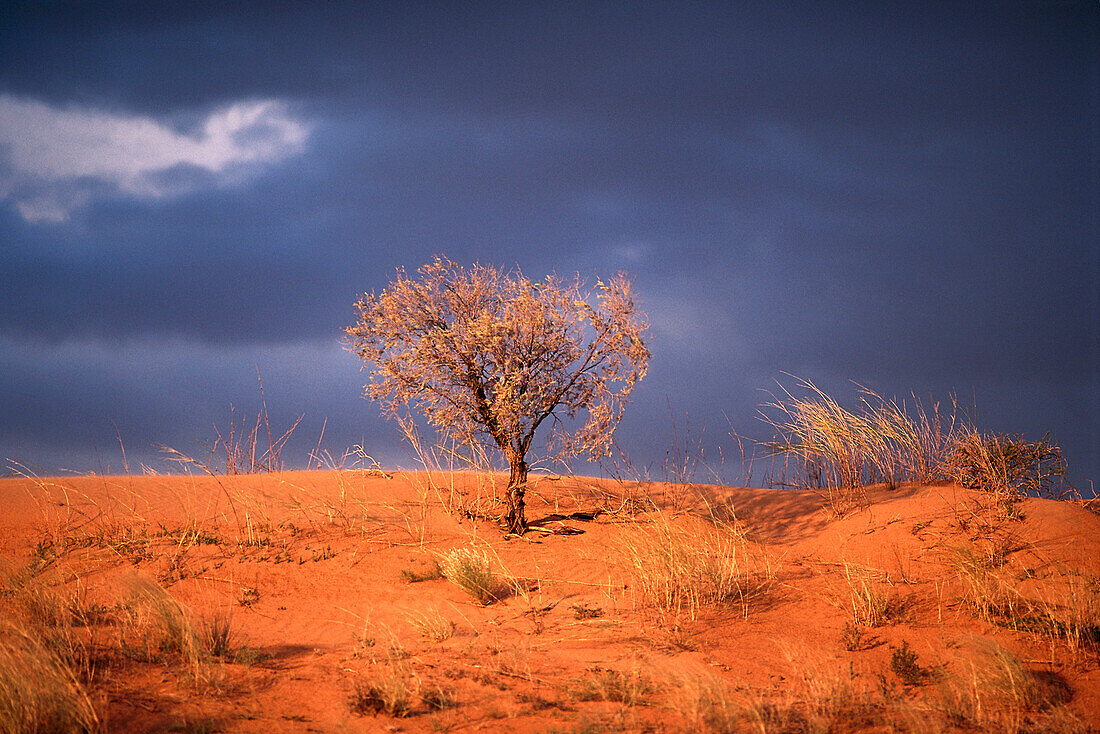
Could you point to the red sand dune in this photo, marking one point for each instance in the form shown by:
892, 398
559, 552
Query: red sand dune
314, 568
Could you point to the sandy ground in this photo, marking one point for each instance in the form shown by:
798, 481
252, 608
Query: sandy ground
320, 574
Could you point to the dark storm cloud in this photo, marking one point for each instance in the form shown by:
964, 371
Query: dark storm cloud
902, 196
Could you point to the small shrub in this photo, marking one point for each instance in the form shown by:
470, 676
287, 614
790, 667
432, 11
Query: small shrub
583, 611
855, 639
1007, 465
413, 576
436, 698
903, 661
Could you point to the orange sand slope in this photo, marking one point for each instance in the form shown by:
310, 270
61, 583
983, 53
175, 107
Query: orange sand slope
363, 601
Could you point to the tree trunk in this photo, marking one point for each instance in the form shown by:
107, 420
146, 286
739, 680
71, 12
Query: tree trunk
516, 520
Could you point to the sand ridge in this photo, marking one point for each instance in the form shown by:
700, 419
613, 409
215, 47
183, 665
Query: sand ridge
331, 580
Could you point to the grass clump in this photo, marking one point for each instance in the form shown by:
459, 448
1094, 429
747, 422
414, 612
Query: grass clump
388, 691
584, 611
155, 627
431, 573
49, 656
1062, 605
627, 688
837, 452
432, 624
709, 704
472, 571
682, 570
39, 691
867, 603
995, 690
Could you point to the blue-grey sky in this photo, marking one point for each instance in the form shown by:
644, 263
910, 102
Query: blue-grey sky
901, 194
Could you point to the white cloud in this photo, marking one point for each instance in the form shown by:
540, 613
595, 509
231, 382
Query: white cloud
54, 160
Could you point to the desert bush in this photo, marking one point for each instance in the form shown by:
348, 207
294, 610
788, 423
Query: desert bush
431, 573
903, 662
488, 356
1006, 465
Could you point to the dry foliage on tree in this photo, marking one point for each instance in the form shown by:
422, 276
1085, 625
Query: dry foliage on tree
486, 354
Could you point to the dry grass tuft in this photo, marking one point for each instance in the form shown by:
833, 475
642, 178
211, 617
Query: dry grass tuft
995, 689
39, 692
681, 570
870, 602
47, 655
709, 704
837, 452
156, 627
628, 688
432, 624
389, 690
820, 697
472, 571
1061, 605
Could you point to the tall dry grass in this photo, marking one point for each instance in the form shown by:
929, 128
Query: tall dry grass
40, 693
472, 570
885, 441
837, 452
154, 626
461, 477
1060, 604
49, 654
682, 567
994, 690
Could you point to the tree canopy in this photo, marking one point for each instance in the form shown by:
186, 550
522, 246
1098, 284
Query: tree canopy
490, 355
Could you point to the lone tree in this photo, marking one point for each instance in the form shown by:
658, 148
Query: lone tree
488, 355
